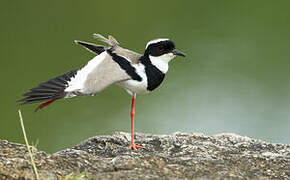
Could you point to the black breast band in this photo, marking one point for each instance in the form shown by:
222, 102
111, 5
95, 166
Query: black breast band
154, 75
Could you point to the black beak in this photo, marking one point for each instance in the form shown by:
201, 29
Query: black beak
178, 53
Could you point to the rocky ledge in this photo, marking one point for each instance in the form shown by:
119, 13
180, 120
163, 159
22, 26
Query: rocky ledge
177, 156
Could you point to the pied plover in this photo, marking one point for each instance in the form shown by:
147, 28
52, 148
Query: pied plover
113, 64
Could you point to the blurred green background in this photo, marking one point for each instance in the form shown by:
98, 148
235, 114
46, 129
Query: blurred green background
234, 79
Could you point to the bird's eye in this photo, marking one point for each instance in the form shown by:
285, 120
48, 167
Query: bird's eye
159, 48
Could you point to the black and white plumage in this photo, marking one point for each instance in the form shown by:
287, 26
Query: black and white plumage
113, 65
51, 89
137, 73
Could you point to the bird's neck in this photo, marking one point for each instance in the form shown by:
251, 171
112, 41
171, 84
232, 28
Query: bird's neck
154, 75
160, 62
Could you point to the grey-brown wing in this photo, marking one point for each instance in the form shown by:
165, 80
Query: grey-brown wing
113, 44
128, 54
134, 57
102, 71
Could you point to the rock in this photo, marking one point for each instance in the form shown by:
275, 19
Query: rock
177, 156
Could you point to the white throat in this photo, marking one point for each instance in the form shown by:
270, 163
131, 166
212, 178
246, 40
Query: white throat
161, 62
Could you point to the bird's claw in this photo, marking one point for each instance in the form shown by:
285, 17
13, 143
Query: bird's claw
135, 147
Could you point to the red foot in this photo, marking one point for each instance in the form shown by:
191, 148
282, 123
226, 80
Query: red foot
135, 147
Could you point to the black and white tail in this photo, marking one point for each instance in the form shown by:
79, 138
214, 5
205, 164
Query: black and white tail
48, 91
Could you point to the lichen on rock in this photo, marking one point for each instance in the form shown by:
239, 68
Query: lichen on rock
176, 156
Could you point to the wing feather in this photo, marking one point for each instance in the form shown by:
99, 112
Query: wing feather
101, 71
98, 74
96, 49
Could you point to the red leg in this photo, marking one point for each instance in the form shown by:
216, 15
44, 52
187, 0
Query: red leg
133, 145
44, 104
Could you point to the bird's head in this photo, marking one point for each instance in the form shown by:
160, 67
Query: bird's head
160, 52
162, 49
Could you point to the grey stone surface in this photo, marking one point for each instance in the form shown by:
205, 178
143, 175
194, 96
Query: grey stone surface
177, 156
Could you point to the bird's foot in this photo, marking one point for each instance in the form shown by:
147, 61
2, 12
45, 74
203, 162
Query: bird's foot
135, 147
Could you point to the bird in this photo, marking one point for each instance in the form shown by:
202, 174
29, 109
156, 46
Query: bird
113, 64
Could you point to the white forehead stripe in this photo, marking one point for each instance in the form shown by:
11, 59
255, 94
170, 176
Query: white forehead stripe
156, 41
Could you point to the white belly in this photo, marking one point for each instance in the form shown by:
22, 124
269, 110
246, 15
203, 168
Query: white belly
139, 87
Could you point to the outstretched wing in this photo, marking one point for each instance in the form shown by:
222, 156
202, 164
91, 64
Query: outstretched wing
112, 65
99, 73
114, 45
98, 49
48, 90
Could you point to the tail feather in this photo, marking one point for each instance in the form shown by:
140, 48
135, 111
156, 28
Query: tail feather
48, 91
